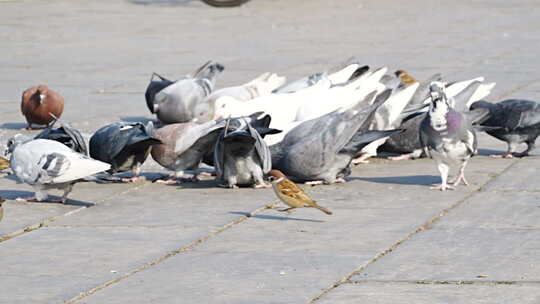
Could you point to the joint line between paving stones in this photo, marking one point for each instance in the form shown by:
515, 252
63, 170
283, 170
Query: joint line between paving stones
45, 222
172, 253
446, 282
424, 226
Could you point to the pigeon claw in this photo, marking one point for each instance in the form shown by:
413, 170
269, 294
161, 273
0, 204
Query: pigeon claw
442, 187
262, 186
507, 155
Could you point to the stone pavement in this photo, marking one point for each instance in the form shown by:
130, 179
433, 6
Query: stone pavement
390, 240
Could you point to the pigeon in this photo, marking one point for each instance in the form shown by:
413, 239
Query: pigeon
241, 156
387, 117
320, 150
447, 136
66, 135
47, 164
153, 88
282, 107
124, 145
339, 74
518, 121
38, 103
185, 100
183, 146
289, 193
407, 143
260, 86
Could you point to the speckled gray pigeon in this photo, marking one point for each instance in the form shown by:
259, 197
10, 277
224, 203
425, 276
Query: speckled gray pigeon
447, 136
47, 164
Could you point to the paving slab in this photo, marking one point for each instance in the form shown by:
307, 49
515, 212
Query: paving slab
410, 292
52, 264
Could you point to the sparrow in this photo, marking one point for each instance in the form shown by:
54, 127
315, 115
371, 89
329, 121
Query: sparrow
4, 163
289, 193
38, 103
405, 78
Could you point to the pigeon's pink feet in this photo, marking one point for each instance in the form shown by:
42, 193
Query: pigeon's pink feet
401, 157
133, 179
362, 159
507, 155
33, 198
262, 186
442, 187
460, 178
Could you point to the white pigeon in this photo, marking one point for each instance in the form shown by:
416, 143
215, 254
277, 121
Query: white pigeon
260, 86
46, 164
343, 96
281, 107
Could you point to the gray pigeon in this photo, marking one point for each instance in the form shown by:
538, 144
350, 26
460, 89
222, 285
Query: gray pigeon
183, 146
241, 156
185, 100
123, 145
46, 164
447, 136
518, 121
153, 88
321, 150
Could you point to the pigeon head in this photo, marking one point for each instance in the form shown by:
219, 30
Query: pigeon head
481, 104
15, 141
439, 106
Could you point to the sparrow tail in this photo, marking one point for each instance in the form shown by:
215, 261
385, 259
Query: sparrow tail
322, 209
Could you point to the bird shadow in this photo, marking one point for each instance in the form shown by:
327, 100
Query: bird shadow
13, 126
13, 194
138, 119
159, 2
402, 180
488, 152
273, 217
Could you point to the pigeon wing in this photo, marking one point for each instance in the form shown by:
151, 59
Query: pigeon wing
262, 149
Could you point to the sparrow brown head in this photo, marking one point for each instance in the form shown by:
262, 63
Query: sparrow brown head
405, 77
38, 103
289, 193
